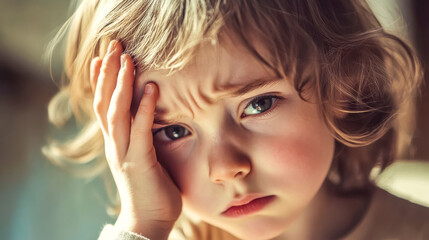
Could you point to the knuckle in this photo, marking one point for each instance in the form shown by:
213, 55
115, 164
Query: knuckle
112, 117
143, 112
106, 70
122, 72
150, 151
146, 118
125, 166
145, 109
120, 166
139, 133
119, 86
98, 105
110, 65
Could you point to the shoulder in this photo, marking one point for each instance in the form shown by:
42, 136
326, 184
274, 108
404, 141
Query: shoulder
400, 210
391, 217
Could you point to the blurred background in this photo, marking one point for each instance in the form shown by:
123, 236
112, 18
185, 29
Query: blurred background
41, 201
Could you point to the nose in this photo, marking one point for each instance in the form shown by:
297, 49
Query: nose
227, 163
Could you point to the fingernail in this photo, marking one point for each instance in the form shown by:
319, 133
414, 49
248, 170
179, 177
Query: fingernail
148, 89
112, 46
123, 61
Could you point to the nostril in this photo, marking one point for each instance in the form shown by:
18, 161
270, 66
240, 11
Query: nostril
239, 174
217, 180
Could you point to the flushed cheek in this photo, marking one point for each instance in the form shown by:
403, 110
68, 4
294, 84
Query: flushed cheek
295, 163
295, 154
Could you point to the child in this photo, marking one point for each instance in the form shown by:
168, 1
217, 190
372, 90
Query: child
261, 119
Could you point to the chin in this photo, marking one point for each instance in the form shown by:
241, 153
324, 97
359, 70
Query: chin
257, 235
258, 232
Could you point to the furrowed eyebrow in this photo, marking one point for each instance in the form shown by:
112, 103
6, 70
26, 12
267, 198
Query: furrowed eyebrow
160, 117
230, 91
162, 121
254, 84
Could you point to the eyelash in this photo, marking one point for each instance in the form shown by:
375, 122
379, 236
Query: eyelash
267, 112
275, 99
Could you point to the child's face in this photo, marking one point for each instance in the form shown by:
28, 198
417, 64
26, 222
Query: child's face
276, 150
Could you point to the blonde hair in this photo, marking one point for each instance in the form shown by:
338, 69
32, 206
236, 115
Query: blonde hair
363, 75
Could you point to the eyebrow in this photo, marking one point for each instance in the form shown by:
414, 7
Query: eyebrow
233, 91
252, 85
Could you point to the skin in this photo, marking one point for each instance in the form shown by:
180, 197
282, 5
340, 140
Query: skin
285, 153
129, 148
390, 217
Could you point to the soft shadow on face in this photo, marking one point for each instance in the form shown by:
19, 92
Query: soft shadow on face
264, 142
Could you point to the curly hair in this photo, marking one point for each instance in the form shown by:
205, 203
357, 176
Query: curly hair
365, 78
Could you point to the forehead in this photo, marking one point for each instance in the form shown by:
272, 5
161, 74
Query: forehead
216, 70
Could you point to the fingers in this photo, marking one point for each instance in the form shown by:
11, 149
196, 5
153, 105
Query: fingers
94, 72
112, 80
141, 139
118, 115
106, 82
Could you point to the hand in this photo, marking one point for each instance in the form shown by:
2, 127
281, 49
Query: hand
150, 201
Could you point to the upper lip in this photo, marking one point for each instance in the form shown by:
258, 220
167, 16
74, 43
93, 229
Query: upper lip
243, 200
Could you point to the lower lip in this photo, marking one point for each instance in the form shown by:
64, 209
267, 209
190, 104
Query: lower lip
251, 207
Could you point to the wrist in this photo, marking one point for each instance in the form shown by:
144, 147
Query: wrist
151, 229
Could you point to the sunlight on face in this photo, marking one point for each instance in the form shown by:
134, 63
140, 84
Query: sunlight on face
229, 131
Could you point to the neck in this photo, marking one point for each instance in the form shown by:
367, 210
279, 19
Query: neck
329, 216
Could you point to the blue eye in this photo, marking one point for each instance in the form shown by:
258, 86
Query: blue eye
259, 105
173, 132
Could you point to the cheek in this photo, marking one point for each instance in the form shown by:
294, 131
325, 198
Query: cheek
297, 154
190, 174
191, 178
184, 170
175, 163
294, 161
